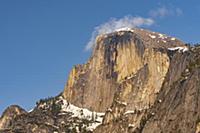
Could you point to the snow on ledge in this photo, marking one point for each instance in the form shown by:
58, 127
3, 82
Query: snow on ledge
152, 36
83, 113
129, 112
30, 110
125, 29
180, 49
173, 39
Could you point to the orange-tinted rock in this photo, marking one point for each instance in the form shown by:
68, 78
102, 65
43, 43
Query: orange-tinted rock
116, 58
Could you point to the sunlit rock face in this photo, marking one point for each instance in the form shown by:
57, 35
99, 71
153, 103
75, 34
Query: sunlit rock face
9, 114
176, 105
118, 58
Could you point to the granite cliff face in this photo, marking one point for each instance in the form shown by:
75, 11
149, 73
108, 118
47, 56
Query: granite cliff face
116, 58
176, 106
136, 81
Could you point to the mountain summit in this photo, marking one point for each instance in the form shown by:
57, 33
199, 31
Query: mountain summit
117, 57
136, 81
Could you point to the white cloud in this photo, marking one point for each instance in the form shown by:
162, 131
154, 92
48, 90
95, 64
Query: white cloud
131, 22
114, 24
164, 11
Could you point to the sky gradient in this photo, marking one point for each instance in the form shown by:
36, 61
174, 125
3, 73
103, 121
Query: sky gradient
41, 40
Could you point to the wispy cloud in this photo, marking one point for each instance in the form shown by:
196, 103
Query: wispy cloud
114, 24
129, 21
159, 12
164, 12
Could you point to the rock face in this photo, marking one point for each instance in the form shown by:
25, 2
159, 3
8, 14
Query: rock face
116, 58
176, 107
136, 81
9, 114
179, 111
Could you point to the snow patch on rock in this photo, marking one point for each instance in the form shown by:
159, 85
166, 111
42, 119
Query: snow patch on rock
83, 113
152, 36
180, 49
129, 112
173, 39
125, 29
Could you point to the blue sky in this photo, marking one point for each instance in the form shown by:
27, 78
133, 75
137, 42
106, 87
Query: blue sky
41, 40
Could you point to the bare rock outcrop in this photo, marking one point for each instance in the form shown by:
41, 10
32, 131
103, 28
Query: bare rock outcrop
9, 114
